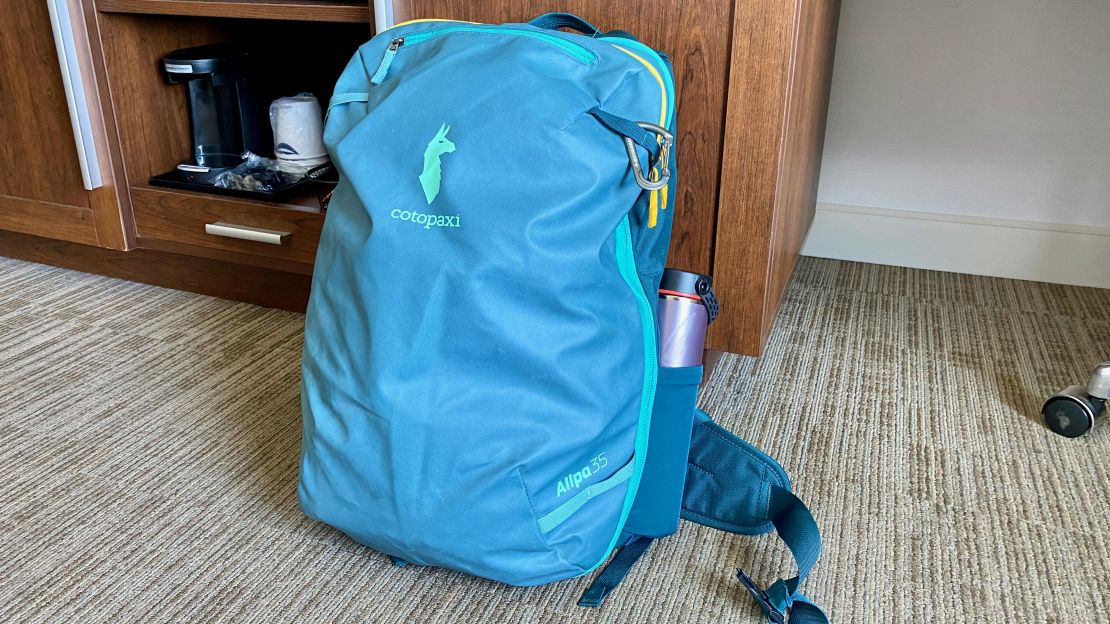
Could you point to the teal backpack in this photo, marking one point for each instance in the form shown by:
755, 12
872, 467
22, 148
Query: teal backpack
480, 384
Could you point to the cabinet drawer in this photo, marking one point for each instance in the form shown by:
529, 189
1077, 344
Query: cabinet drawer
202, 222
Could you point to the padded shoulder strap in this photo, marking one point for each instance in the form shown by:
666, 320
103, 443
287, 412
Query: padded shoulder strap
735, 487
728, 481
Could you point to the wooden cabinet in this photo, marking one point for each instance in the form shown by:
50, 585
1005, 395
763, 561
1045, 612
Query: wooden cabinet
752, 80
156, 235
41, 187
154, 124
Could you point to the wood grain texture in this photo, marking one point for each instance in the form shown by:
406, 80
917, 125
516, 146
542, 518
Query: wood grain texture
267, 287
710, 359
230, 257
38, 158
40, 175
180, 217
696, 37
151, 115
774, 129
110, 202
357, 11
749, 170
806, 115
757, 93
61, 221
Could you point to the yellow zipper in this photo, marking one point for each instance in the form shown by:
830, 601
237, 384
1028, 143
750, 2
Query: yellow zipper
654, 198
418, 21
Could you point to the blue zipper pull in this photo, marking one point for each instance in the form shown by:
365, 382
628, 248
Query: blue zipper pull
387, 60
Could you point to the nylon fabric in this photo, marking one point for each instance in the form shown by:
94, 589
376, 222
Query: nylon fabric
347, 98
798, 530
474, 354
656, 510
479, 380
567, 509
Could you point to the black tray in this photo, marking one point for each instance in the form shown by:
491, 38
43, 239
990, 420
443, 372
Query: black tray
183, 180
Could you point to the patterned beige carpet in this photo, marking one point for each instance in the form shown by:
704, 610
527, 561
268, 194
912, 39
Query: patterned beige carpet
149, 440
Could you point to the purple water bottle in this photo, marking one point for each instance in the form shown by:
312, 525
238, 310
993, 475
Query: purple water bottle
685, 309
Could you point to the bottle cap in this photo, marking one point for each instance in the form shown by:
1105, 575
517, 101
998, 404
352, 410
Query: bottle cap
692, 285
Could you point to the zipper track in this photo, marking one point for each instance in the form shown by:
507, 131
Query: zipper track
576, 51
626, 262
580, 53
659, 65
656, 199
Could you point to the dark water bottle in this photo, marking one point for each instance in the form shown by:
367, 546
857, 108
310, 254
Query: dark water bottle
685, 309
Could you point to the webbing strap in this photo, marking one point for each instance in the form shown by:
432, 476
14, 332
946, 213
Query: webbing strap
630, 129
805, 611
615, 572
798, 530
347, 98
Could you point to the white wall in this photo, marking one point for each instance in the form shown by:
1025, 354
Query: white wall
986, 117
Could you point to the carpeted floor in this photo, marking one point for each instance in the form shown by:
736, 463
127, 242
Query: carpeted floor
149, 440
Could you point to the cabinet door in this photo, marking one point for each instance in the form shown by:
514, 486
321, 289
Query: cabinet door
42, 190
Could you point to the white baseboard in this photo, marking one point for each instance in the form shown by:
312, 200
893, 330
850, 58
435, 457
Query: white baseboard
1043, 252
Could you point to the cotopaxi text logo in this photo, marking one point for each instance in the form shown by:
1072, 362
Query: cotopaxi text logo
428, 220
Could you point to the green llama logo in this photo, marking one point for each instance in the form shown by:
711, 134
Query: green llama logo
437, 147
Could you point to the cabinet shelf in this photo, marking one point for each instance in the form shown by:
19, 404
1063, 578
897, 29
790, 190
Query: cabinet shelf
350, 11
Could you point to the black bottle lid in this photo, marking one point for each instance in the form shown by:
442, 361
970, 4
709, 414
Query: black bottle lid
689, 283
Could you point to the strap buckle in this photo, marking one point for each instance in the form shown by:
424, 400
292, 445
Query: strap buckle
774, 616
660, 171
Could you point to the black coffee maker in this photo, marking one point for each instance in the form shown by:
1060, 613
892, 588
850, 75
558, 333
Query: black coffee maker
228, 103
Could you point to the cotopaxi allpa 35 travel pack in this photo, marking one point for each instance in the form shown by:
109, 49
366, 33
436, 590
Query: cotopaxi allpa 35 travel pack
481, 387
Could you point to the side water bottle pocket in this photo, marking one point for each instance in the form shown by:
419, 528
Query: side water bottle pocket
659, 498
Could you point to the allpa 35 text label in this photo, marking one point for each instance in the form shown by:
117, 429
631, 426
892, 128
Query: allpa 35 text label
576, 479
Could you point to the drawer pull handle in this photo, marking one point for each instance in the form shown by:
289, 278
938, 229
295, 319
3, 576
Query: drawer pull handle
246, 232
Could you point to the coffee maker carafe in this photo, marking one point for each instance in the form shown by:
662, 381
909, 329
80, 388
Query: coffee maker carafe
227, 103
